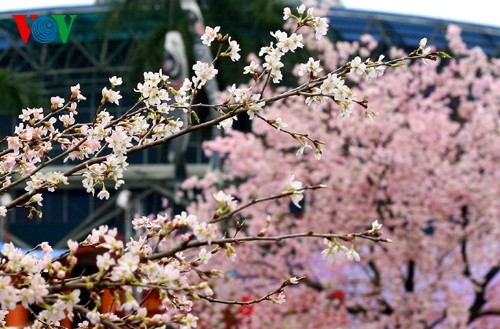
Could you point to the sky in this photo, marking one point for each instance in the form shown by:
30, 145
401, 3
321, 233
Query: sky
485, 12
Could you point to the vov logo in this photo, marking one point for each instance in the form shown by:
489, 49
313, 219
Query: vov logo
44, 29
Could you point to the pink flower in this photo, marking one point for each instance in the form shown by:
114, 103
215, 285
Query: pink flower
73, 246
56, 102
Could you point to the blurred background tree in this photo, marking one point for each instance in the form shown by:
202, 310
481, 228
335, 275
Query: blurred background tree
426, 169
17, 92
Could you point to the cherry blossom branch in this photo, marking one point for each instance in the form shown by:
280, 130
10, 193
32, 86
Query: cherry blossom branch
129, 113
84, 311
95, 160
239, 108
269, 198
258, 300
40, 167
277, 238
342, 71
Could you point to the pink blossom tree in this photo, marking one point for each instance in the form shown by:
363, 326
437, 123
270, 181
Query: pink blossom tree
426, 168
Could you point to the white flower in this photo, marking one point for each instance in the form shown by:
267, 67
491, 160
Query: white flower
73, 298
286, 43
141, 312
203, 72
204, 256
84, 324
240, 95
163, 108
331, 83
320, 25
426, 52
130, 305
230, 252
294, 280
67, 119
251, 68
103, 194
317, 153
225, 201
345, 111
279, 124
94, 317
315, 98
301, 9
3, 211
286, 13
381, 68
75, 93
280, 299
36, 291
311, 67
303, 145
227, 123
104, 262
357, 66
376, 226
422, 43
46, 248
205, 232
55, 178
111, 95
279, 35
234, 49
54, 314
351, 254
273, 63
115, 81
189, 321
206, 289
174, 126
36, 182
111, 243
209, 35
141, 222
294, 186
254, 106
37, 198
296, 41
334, 248
185, 219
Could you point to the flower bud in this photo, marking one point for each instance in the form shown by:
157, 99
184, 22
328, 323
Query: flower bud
61, 274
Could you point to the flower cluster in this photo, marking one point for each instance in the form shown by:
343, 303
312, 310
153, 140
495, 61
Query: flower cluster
203, 72
272, 55
133, 263
335, 249
319, 24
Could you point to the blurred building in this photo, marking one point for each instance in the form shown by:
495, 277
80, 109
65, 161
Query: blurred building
92, 55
